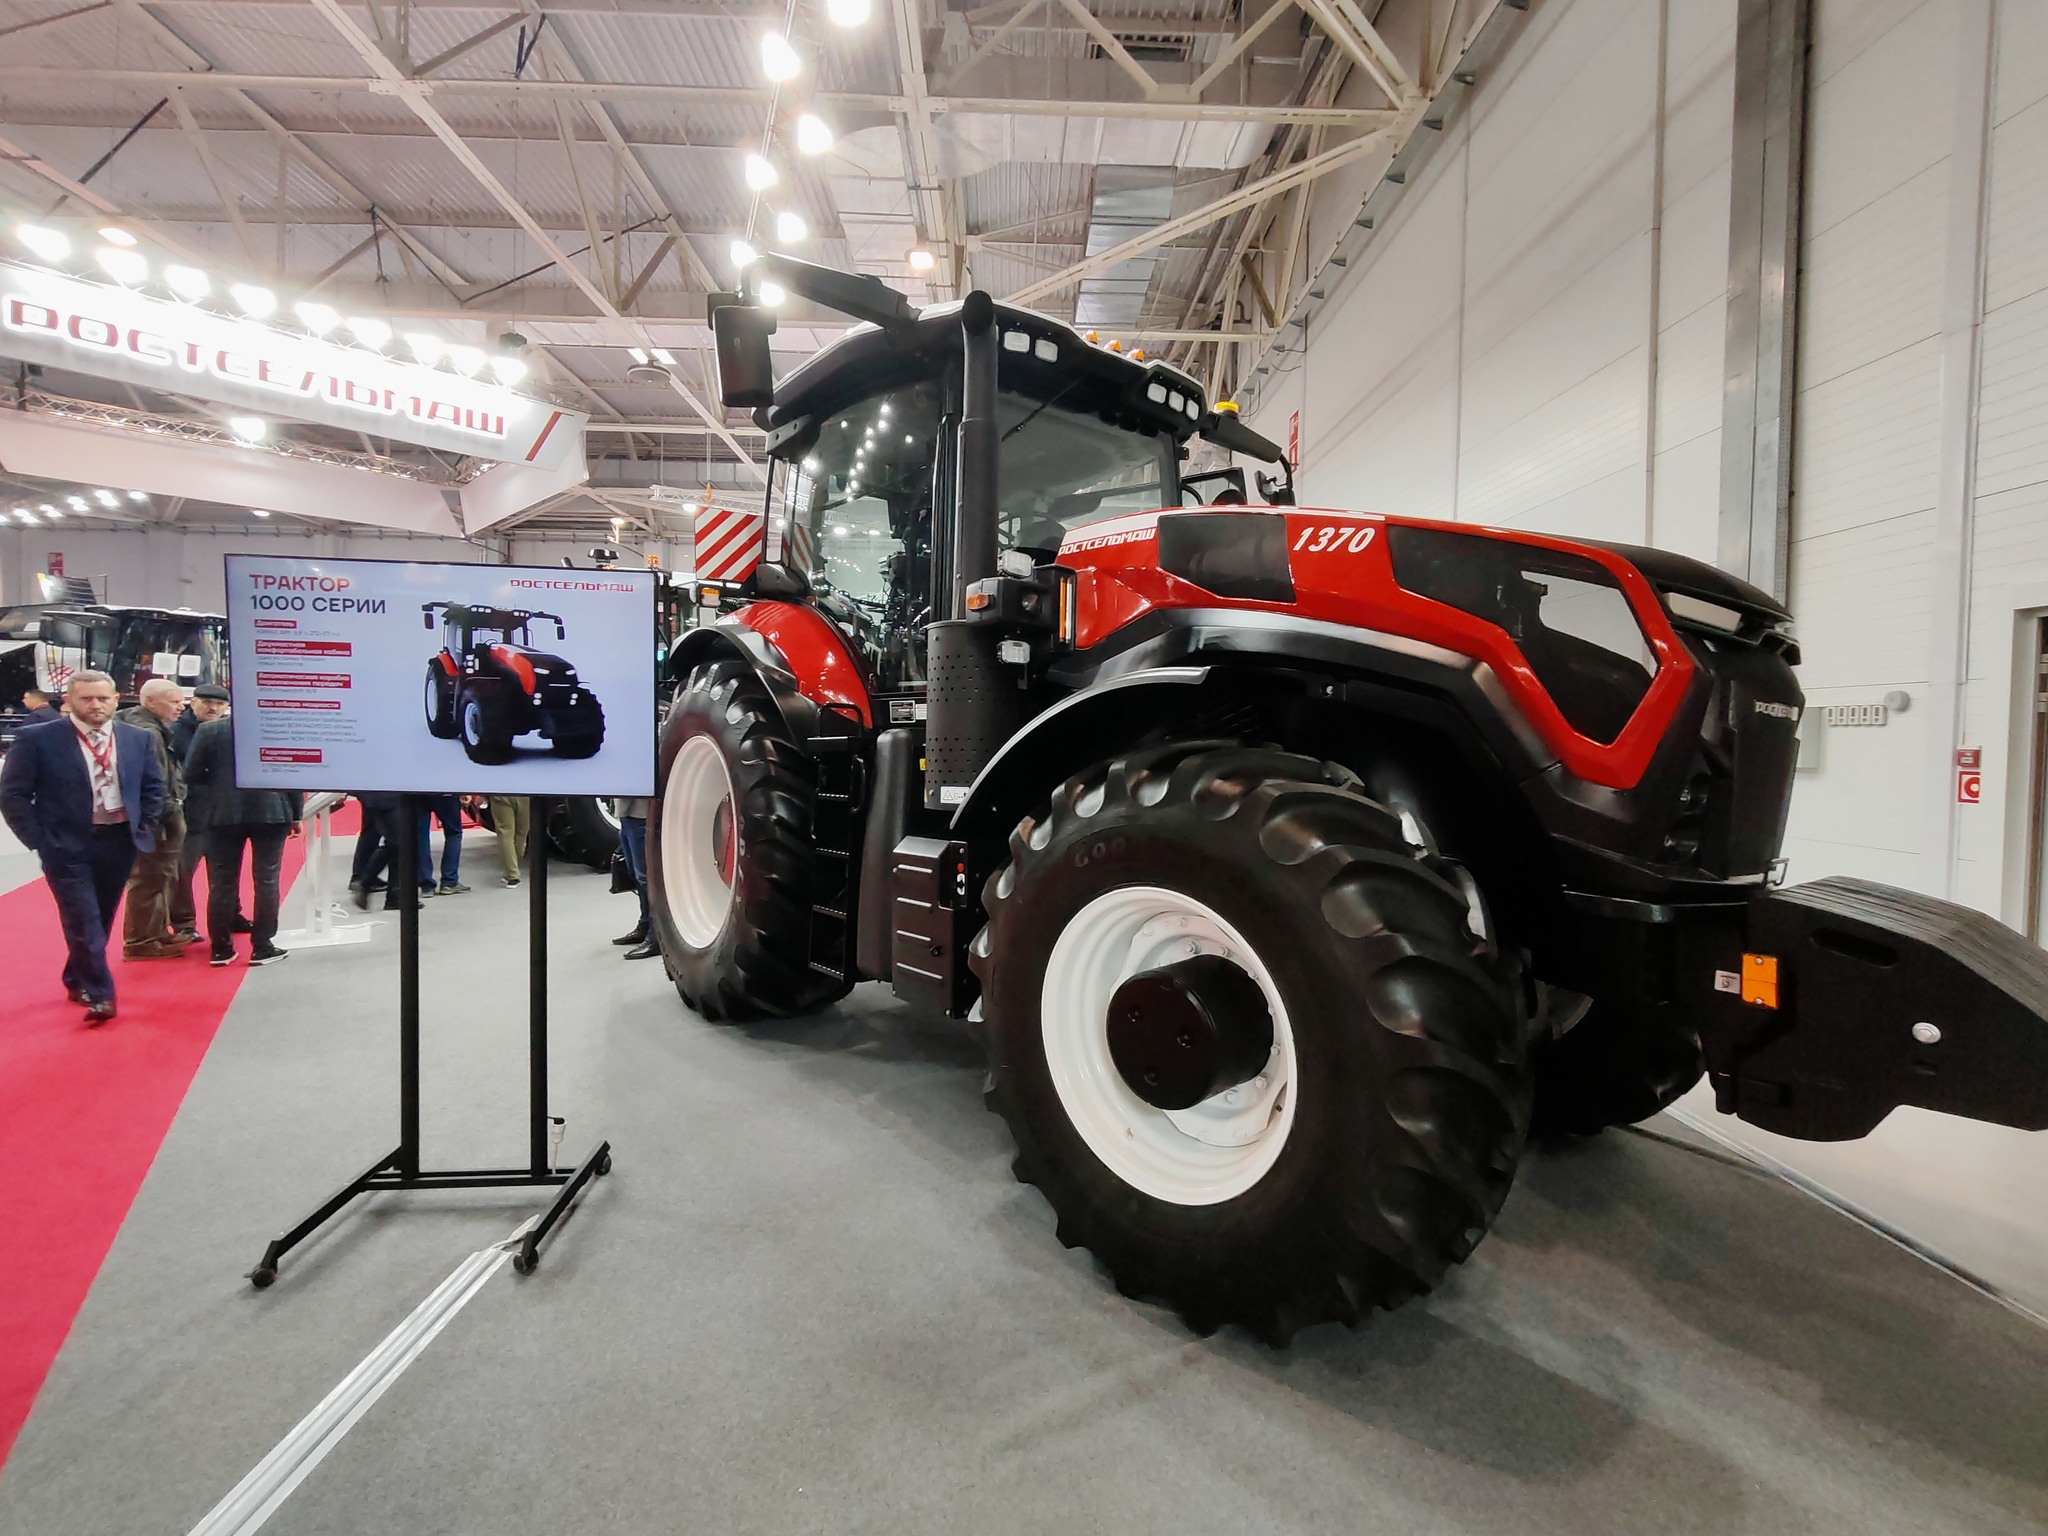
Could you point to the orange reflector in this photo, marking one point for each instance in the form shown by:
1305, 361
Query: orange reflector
979, 600
1760, 980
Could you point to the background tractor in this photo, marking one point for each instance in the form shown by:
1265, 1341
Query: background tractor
488, 685
1293, 865
42, 644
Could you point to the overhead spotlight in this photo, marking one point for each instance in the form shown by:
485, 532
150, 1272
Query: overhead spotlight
46, 243
466, 360
188, 282
52, 511
774, 295
510, 370
790, 228
138, 495
921, 260
53, 514
425, 347
743, 254
813, 137
759, 173
122, 266
250, 429
106, 498
255, 302
848, 13
114, 234
317, 318
258, 512
25, 515
78, 503
370, 331
779, 61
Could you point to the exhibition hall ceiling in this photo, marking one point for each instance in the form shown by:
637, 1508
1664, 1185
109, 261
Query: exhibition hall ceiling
557, 186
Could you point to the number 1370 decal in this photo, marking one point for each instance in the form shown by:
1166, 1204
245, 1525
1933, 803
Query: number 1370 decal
1335, 538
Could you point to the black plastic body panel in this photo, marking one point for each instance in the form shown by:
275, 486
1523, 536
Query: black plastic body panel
928, 937
897, 785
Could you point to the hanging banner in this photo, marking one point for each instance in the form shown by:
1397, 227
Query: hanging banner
116, 333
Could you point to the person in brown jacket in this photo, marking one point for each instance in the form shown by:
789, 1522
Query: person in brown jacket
146, 926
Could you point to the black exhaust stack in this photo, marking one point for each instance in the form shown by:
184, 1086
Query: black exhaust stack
972, 706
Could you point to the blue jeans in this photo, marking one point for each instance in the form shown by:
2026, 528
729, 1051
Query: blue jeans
88, 890
633, 839
448, 809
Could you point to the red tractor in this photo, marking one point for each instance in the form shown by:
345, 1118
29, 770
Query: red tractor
489, 685
1295, 866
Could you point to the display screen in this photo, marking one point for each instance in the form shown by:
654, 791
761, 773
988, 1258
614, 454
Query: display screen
441, 679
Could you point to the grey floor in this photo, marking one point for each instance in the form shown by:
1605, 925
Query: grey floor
811, 1297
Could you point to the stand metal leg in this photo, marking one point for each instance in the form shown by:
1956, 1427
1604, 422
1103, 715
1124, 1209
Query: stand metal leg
597, 1165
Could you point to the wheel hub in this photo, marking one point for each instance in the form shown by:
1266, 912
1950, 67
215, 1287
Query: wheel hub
1188, 1031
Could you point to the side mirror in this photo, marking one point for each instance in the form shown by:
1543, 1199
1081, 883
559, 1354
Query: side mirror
560, 633
427, 619
746, 373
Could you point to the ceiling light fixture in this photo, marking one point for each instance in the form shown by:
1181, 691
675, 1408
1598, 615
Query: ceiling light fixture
790, 228
138, 495
921, 260
774, 295
779, 61
317, 318
466, 360
250, 429
848, 13
188, 283
371, 332
663, 356
510, 370
46, 243
122, 266
78, 503
114, 234
255, 302
813, 137
258, 512
759, 173
743, 254
638, 354
106, 498
425, 347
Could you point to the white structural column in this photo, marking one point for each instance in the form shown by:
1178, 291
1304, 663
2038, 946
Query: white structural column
1962, 318
414, 95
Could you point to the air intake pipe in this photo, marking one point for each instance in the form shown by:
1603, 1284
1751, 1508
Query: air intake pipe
973, 704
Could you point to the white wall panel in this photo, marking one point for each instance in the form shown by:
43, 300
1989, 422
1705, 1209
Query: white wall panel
1868, 447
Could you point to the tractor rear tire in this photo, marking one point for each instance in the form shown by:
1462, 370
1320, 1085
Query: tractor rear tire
1372, 1152
480, 713
439, 698
584, 830
1613, 1068
729, 852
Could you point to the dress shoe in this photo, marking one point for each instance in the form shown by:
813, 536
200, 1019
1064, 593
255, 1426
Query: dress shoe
99, 1013
78, 997
637, 936
646, 949
360, 895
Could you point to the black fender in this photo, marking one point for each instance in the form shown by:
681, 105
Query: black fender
728, 638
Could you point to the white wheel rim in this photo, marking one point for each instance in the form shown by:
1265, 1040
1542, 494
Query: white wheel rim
1204, 1155
433, 699
698, 895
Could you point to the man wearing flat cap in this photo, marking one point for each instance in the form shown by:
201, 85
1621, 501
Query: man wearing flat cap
209, 701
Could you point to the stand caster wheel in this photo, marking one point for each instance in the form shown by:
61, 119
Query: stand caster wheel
262, 1276
523, 1264
604, 1165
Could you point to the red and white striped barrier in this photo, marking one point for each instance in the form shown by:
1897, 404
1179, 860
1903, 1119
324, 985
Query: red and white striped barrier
728, 543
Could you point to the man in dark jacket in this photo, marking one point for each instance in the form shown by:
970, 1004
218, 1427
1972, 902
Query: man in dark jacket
235, 819
40, 710
146, 927
209, 701
85, 793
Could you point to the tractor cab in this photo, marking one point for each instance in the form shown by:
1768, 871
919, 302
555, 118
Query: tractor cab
465, 630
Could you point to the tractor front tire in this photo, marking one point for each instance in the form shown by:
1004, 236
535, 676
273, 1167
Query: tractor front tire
1613, 1068
480, 712
729, 852
584, 829
440, 701
1373, 1150
587, 736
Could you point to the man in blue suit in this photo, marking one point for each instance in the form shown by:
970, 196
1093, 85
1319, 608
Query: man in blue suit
85, 793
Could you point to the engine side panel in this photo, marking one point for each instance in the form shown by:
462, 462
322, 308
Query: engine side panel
1338, 571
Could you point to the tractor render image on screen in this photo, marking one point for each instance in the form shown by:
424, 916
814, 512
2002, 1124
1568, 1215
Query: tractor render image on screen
441, 678
489, 685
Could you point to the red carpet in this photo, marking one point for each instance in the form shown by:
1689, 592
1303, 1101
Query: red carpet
82, 1113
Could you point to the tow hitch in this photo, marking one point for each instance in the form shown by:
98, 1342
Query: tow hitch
1843, 999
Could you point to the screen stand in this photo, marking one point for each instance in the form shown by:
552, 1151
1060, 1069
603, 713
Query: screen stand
400, 1169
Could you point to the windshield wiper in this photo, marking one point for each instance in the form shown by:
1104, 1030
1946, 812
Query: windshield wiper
1033, 416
